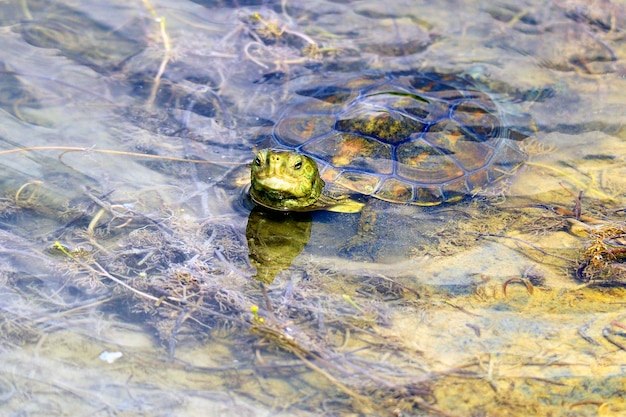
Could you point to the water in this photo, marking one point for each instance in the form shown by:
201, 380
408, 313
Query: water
112, 240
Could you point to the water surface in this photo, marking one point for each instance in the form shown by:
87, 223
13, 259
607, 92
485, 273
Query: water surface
125, 134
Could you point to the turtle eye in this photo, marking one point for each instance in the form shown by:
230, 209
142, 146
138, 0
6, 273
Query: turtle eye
257, 161
298, 165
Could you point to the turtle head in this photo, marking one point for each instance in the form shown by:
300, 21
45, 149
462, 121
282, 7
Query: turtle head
285, 180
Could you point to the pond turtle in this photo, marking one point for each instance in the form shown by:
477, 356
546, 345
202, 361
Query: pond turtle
421, 139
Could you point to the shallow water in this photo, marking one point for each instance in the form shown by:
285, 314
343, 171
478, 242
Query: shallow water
113, 239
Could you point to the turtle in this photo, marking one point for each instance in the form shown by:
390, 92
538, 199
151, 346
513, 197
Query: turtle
411, 138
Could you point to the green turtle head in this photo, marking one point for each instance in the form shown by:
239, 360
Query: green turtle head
285, 180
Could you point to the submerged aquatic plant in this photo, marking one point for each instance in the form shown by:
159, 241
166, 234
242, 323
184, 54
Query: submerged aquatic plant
604, 259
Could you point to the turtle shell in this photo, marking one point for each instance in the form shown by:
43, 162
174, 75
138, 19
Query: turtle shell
420, 139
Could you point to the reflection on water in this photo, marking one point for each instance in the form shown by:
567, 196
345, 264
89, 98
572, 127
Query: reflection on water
14, 96
125, 130
81, 39
274, 241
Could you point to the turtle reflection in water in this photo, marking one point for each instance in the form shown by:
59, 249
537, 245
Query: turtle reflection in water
421, 139
274, 240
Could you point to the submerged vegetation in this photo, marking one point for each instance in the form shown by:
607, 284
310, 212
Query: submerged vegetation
508, 303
